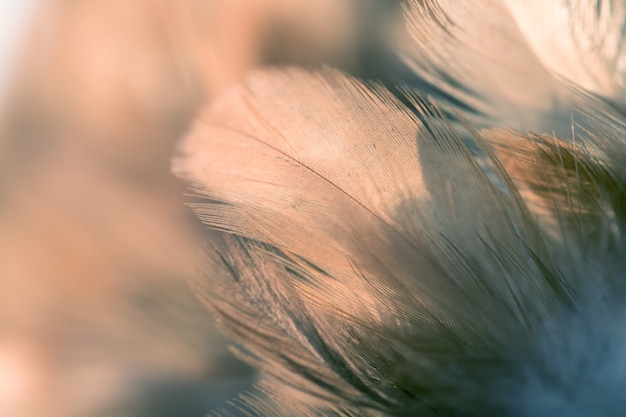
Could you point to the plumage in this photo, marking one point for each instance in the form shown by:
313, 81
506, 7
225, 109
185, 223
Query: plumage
504, 61
581, 40
403, 256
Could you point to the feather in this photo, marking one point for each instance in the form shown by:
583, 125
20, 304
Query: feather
385, 254
363, 257
505, 61
475, 52
581, 40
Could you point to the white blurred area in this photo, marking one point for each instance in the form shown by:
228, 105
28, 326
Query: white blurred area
15, 17
96, 243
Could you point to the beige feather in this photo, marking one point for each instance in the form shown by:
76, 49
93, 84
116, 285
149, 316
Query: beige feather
381, 255
364, 252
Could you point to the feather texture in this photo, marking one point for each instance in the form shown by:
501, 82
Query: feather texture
384, 256
404, 251
581, 40
504, 60
475, 52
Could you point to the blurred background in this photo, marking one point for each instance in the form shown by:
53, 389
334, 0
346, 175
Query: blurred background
96, 243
